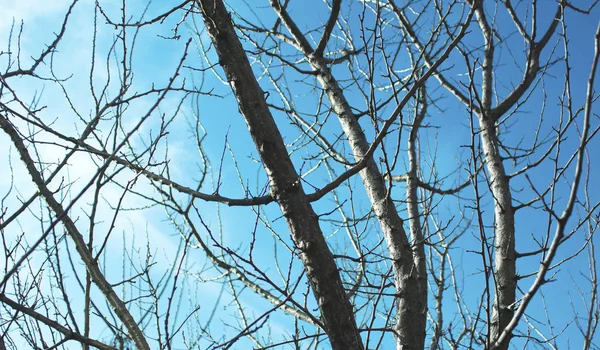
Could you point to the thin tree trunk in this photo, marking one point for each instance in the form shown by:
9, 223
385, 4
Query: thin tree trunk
504, 250
408, 260
410, 279
409, 268
504, 275
505, 281
286, 189
412, 205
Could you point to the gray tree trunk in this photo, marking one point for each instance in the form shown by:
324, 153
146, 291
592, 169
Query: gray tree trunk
504, 273
505, 280
410, 277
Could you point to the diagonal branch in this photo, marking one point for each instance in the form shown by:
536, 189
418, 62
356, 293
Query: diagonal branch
335, 11
69, 334
91, 264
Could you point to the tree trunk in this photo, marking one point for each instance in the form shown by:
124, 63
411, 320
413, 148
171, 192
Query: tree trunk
410, 278
504, 250
504, 275
286, 189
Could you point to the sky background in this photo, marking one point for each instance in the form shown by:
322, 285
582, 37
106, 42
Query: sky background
154, 60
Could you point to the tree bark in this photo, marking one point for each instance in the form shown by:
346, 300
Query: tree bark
286, 189
410, 280
504, 231
409, 277
505, 280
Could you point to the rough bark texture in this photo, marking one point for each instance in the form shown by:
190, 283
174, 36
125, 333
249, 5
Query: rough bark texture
504, 253
504, 250
408, 260
286, 189
409, 264
412, 206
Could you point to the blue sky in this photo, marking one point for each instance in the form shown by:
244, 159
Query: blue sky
155, 59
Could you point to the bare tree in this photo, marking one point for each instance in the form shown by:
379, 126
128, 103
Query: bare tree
478, 96
396, 153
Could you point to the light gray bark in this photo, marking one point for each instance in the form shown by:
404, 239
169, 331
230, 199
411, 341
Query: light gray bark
505, 274
409, 262
408, 257
505, 280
